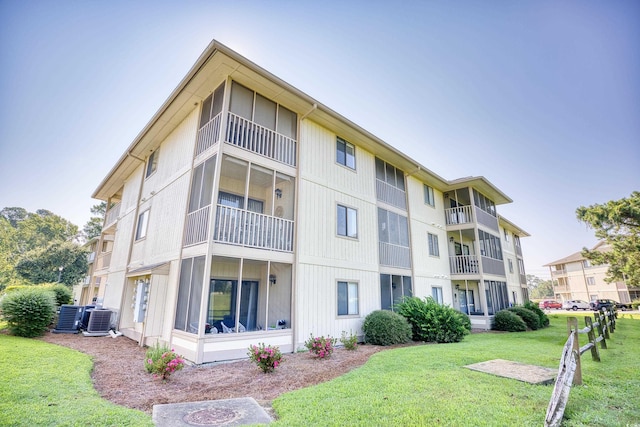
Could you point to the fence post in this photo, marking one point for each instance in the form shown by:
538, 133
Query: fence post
592, 339
613, 315
606, 322
572, 329
601, 328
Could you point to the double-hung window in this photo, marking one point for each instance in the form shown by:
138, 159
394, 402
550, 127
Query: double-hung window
436, 293
345, 153
347, 298
428, 196
143, 221
347, 222
434, 249
152, 164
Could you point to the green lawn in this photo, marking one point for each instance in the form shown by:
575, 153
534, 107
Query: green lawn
427, 385
43, 384
48, 385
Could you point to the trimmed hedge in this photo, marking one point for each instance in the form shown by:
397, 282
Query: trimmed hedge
433, 322
384, 327
506, 320
28, 311
530, 318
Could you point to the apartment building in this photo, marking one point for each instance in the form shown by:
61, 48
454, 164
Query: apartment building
246, 211
574, 277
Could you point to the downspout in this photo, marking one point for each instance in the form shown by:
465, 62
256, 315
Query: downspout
137, 210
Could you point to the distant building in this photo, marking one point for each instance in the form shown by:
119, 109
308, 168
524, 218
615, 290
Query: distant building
574, 277
246, 212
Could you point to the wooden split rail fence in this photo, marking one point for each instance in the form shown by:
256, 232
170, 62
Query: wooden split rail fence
570, 370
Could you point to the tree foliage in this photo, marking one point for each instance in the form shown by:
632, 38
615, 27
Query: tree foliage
617, 223
93, 227
65, 261
36, 242
539, 288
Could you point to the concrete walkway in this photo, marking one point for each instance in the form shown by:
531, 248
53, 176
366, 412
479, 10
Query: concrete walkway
518, 371
229, 412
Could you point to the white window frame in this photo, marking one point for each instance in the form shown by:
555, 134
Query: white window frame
152, 164
142, 225
347, 157
434, 246
353, 298
591, 281
436, 293
429, 197
351, 221
510, 265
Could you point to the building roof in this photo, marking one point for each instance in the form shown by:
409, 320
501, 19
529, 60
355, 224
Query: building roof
218, 61
514, 228
576, 257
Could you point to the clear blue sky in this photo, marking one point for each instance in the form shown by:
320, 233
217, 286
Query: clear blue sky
540, 97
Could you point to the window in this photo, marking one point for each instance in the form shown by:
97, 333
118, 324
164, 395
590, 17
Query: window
347, 222
436, 293
497, 296
506, 235
510, 265
484, 203
591, 281
393, 289
345, 153
393, 228
428, 196
434, 250
389, 174
141, 229
152, 163
586, 263
347, 298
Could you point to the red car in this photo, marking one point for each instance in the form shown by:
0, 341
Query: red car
549, 303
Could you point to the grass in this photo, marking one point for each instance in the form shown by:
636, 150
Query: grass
45, 385
428, 385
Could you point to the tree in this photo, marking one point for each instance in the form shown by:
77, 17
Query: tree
14, 215
93, 227
63, 262
539, 288
617, 223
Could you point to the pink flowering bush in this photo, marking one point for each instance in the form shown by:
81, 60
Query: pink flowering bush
321, 347
162, 362
266, 357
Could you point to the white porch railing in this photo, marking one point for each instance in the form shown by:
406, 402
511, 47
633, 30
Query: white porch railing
459, 215
252, 229
197, 227
464, 264
251, 136
209, 134
111, 216
394, 255
392, 195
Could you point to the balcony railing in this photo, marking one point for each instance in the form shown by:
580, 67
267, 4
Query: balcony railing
209, 134
394, 255
459, 215
464, 264
252, 229
197, 227
392, 195
555, 273
251, 136
111, 216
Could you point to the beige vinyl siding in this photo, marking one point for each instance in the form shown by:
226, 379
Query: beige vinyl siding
317, 288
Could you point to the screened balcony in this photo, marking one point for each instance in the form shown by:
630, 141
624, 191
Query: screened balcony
246, 228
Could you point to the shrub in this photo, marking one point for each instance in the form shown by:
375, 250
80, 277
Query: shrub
635, 304
162, 362
321, 347
530, 318
28, 311
506, 320
433, 322
62, 293
544, 319
266, 357
350, 342
384, 327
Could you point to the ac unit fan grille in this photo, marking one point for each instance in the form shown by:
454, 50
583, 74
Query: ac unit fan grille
99, 321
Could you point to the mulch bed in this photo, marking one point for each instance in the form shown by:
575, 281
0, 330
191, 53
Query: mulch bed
120, 377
